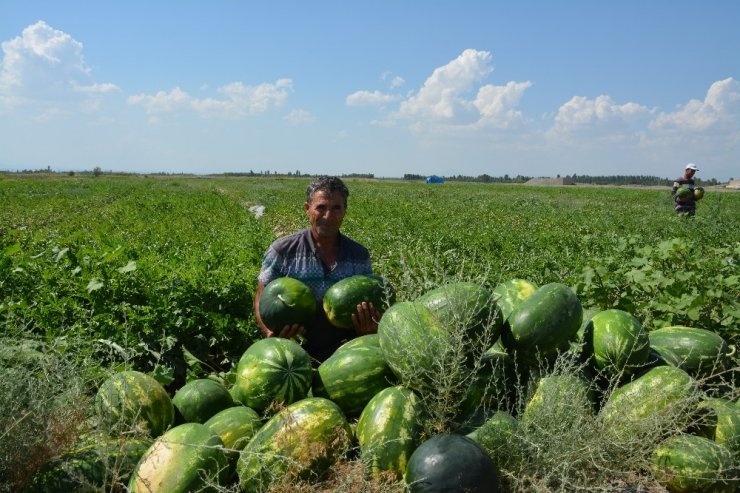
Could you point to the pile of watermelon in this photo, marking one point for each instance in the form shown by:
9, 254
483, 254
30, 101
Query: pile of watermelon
286, 419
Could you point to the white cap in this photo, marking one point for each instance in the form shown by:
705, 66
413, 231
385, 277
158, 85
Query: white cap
692, 166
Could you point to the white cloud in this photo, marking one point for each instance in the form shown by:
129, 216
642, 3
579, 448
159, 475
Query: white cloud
720, 108
367, 98
452, 96
298, 117
45, 66
397, 82
239, 100
598, 118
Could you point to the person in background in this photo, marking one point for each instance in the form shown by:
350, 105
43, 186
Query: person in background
687, 203
319, 256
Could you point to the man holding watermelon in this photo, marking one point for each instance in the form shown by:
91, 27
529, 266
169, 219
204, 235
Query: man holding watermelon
683, 192
319, 256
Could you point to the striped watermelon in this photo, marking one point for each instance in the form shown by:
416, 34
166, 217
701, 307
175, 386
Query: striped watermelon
619, 344
498, 436
720, 422
699, 352
341, 299
464, 306
509, 294
184, 459
450, 463
352, 376
301, 441
272, 369
389, 430
235, 426
659, 396
554, 395
688, 463
133, 400
543, 323
368, 340
412, 340
200, 399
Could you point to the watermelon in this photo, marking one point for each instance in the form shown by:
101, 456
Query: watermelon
659, 396
272, 369
186, 458
684, 193
498, 436
465, 306
200, 399
342, 298
699, 193
491, 388
699, 352
412, 340
368, 340
543, 323
450, 462
688, 463
566, 398
235, 426
720, 422
511, 293
287, 301
133, 400
105, 465
302, 441
618, 341
351, 377
389, 430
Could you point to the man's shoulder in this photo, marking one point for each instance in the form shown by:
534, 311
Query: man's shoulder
353, 247
290, 241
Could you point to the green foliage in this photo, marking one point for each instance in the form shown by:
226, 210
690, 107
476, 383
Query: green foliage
678, 281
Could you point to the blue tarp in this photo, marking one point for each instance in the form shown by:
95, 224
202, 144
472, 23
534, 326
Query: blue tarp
435, 179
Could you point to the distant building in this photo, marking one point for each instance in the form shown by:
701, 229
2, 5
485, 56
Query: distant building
435, 179
734, 184
551, 181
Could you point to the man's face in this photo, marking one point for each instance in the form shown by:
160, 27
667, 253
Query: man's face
690, 173
325, 213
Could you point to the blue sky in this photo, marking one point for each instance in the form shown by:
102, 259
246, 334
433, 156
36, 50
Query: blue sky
536, 88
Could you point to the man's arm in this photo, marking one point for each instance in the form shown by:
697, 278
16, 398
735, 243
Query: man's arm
287, 332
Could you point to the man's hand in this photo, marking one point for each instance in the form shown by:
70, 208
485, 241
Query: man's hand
288, 332
366, 319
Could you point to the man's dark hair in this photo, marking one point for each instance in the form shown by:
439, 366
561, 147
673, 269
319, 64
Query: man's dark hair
329, 185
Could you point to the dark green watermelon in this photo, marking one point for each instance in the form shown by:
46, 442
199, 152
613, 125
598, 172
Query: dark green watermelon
272, 369
342, 298
699, 352
684, 193
287, 301
198, 400
498, 437
352, 376
720, 422
235, 426
619, 343
688, 463
543, 323
389, 430
449, 462
368, 340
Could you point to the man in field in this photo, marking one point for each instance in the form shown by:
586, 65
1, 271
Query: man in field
319, 256
685, 204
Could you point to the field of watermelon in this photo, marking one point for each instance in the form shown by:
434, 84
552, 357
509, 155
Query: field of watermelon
541, 339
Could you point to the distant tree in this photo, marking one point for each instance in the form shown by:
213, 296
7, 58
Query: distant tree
97, 171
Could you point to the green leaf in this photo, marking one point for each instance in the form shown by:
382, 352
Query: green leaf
60, 254
165, 375
12, 249
190, 358
129, 267
94, 285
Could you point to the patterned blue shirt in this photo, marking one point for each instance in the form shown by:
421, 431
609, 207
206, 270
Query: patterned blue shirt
296, 256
